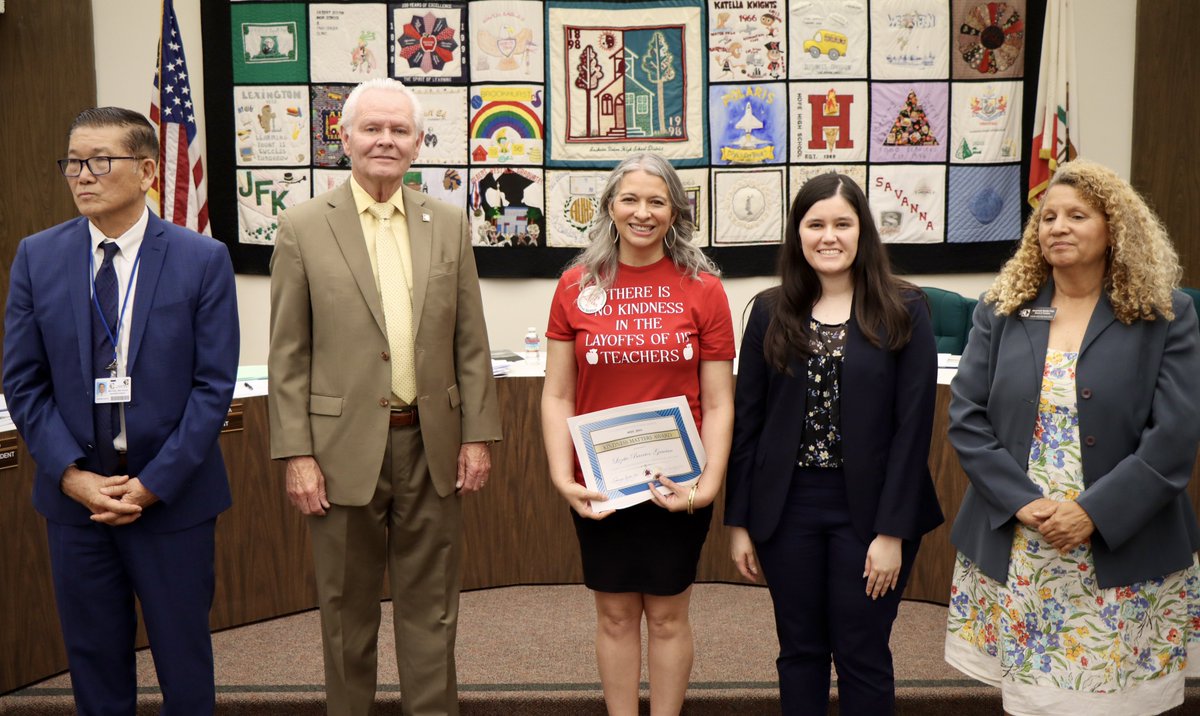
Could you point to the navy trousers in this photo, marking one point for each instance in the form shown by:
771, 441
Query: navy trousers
98, 570
813, 565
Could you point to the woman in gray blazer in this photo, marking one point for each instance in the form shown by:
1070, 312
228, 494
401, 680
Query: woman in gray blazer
1076, 415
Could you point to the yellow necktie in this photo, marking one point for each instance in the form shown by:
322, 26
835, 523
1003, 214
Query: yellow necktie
397, 303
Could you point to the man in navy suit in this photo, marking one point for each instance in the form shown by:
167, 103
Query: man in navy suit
120, 356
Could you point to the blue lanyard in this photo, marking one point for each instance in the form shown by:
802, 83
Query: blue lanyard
124, 303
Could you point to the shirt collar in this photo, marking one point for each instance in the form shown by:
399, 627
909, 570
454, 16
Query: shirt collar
363, 200
128, 242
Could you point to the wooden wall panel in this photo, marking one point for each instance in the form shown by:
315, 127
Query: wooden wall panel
517, 531
47, 76
1166, 155
263, 553
31, 645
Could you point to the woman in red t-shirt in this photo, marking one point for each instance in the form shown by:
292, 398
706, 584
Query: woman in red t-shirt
638, 316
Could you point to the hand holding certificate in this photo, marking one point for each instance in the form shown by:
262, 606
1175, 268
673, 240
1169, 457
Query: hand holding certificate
622, 450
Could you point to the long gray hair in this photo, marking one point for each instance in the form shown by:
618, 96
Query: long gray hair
599, 259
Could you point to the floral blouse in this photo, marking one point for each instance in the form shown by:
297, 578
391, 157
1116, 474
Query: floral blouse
821, 436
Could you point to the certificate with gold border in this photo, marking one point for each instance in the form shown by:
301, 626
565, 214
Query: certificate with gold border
622, 449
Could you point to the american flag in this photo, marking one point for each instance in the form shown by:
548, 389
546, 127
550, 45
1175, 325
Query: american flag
180, 190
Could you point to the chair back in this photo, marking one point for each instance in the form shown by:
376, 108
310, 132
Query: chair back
951, 315
1195, 294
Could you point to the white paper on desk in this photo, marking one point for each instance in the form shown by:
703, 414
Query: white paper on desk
621, 449
948, 360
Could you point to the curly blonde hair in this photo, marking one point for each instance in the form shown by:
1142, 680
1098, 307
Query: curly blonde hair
1142, 266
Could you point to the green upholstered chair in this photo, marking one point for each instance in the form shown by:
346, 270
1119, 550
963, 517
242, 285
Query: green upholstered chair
951, 318
1195, 294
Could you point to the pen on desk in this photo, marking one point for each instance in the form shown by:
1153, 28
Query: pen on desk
251, 387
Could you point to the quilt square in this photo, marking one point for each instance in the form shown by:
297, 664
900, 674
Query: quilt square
445, 111
328, 179
270, 43
985, 123
572, 206
829, 121
507, 207
506, 124
989, 39
748, 123
828, 39
327, 101
747, 41
624, 78
909, 122
910, 39
427, 42
985, 204
271, 125
507, 41
262, 195
445, 183
749, 206
349, 42
696, 187
798, 176
909, 203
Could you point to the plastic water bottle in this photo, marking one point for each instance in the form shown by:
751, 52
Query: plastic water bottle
533, 345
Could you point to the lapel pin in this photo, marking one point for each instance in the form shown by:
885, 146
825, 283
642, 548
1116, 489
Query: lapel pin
424, 217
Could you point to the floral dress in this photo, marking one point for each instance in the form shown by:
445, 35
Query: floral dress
1050, 637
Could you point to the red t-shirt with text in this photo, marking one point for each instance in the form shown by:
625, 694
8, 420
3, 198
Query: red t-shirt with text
648, 340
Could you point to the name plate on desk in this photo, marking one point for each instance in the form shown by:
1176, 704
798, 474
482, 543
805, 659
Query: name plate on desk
235, 421
8, 453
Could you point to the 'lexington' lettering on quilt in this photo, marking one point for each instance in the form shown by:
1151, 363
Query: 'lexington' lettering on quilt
637, 336
913, 207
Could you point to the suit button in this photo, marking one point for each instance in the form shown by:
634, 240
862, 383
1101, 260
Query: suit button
1086, 393
384, 355
383, 402
1089, 441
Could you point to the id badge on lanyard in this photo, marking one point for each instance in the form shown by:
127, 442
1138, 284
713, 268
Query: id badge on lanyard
113, 389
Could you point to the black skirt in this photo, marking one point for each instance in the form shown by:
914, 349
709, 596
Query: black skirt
643, 549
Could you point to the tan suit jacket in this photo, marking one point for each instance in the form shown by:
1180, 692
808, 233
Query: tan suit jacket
329, 368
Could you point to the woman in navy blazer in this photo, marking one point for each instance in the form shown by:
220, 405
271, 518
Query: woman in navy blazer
1076, 416
829, 479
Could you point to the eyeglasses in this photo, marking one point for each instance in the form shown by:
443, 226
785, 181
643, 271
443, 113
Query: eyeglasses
98, 166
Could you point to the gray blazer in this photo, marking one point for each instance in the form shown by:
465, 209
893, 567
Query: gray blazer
1138, 395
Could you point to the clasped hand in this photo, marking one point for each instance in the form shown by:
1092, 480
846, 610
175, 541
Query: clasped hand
114, 501
1065, 525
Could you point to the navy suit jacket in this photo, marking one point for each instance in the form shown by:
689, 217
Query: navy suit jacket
1137, 389
183, 356
887, 401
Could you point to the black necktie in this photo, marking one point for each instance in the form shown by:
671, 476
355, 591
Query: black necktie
107, 420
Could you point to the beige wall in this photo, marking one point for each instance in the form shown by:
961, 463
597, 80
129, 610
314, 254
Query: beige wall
127, 32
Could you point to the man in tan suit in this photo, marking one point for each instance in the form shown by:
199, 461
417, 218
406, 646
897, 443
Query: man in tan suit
382, 402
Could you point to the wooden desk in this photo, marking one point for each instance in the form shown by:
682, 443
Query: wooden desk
518, 531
